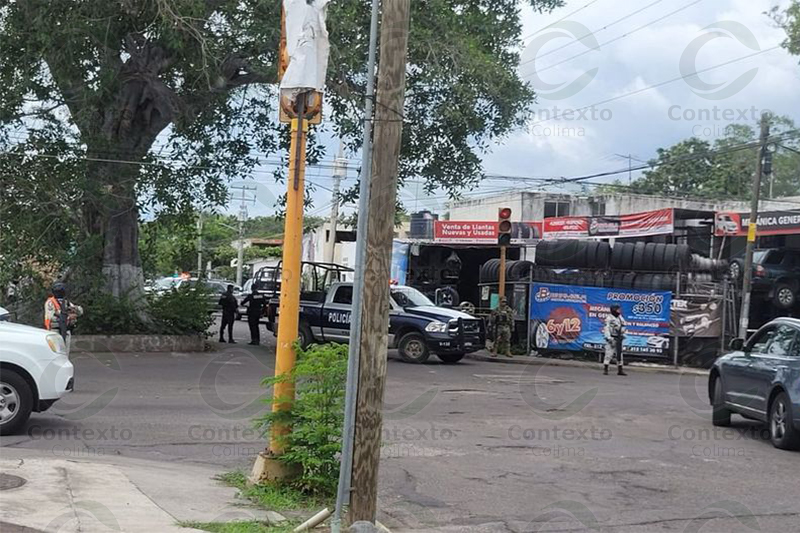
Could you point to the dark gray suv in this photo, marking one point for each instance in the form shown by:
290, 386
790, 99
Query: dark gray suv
776, 275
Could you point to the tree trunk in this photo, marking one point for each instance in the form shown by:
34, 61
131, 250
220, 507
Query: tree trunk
115, 217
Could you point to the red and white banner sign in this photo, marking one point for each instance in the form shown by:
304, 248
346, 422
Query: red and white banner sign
636, 225
769, 223
456, 232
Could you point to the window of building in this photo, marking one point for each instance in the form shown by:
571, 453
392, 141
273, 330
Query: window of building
556, 209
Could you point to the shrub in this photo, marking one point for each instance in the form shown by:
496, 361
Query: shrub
108, 315
316, 417
186, 311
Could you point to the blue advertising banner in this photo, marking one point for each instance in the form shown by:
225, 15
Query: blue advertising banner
566, 317
399, 262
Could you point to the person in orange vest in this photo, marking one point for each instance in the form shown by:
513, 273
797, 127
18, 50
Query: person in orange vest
59, 313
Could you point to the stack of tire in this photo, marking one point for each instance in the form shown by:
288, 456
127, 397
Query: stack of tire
638, 266
515, 271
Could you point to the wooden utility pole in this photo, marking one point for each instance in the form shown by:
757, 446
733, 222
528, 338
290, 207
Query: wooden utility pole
744, 320
390, 98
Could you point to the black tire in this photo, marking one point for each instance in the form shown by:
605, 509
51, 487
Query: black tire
657, 282
684, 256
720, 415
784, 296
782, 432
565, 253
649, 256
617, 256
628, 280
486, 270
304, 336
450, 358
589, 254
643, 282
671, 258
627, 257
599, 279
618, 281
543, 253
602, 257
413, 349
638, 256
13, 386
659, 257
509, 267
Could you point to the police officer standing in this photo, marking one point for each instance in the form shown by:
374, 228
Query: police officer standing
614, 332
229, 307
503, 325
255, 307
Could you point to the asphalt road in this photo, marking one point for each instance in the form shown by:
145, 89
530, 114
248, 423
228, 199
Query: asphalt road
477, 446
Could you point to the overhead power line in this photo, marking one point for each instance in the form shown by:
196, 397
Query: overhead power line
565, 17
598, 30
661, 84
615, 39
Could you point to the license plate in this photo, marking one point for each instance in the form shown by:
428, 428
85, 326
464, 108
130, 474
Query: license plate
467, 344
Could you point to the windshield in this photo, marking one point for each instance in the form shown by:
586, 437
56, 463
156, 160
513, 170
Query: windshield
166, 283
408, 297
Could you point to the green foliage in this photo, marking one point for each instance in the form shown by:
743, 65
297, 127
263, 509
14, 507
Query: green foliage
789, 20
249, 526
316, 417
700, 169
182, 311
178, 312
270, 496
119, 107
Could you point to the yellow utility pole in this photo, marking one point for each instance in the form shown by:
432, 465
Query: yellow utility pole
289, 314
304, 110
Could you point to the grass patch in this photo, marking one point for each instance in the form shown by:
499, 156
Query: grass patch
272, 497
237, 527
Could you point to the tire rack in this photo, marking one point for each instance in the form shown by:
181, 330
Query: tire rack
691, 280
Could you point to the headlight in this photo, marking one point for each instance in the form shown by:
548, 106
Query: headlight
436, 327
56, 343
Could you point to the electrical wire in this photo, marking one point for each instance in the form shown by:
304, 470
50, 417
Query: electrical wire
562, 19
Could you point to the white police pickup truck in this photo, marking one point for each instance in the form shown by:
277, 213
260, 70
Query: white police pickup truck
417, 327
35, 371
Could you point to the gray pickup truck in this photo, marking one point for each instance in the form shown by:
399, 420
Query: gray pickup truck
417, 327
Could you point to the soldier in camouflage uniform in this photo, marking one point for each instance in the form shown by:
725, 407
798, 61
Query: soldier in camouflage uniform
502, 325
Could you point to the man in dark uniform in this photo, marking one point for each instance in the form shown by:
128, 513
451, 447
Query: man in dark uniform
229, 307
255, 302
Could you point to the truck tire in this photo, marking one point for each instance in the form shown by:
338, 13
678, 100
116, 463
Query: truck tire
638, 256
304, 336
617, 256
602, 256
450, 358
649, 256
659, 257
413, 349
627, 256
18, 402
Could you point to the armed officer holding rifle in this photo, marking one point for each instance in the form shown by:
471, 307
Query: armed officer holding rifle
614, 333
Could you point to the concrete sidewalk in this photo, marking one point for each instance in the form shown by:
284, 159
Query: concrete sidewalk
484, 355
134, 496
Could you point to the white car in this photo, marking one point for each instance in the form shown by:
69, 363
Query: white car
35, 371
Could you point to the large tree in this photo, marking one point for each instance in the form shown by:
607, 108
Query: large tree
113, 77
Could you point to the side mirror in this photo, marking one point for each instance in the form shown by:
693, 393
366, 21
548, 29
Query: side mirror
737, 344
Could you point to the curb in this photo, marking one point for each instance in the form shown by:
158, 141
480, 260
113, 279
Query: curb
525, 360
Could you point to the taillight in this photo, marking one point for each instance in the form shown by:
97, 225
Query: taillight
760, 271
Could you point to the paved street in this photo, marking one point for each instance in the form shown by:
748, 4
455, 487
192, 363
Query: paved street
478, 446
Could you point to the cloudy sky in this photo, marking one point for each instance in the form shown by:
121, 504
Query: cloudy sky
617, 65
